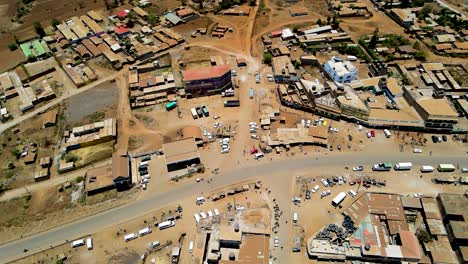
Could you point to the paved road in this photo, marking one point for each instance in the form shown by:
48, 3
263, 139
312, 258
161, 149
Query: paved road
60, 179
264, 169
56, 101
443, 4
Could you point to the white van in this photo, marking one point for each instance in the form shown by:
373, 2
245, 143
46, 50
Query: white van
259, 155
352, 193
77, 243
190, 248
254, 136
130, 237
416, 150
387, 133
89, 243
295, 217
200, 199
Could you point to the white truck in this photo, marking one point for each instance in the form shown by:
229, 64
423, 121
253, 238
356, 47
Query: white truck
166, 224
130, 237
338, 199
194, 113
77, 243
89, 243
144, 231
295, 217
427, 168
403, 166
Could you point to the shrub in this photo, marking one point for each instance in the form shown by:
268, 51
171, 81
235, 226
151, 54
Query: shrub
12, 46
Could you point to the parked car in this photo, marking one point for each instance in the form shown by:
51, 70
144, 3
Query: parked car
324, 182
315, 189
358, 168
372, 132
434, 139
307, 194
276, 241
444, 138
325, 193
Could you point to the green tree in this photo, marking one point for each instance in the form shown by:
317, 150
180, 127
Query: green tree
131, 15
416, 45
252, 2
267, 58
405, 80
12, 46
153, 19
420, 55
295, 29
335, 22
374, 39
319, 22
55, 22
297, 64
39, 29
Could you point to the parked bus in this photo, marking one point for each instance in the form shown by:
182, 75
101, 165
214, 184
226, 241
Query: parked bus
194, 113
338, 199
144, 231
130, 237
171, 105
446, 168
166, 224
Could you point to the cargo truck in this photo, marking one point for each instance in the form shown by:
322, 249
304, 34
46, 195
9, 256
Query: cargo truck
382, 166
166, 224
194, 113
446, 168
232, 103
403, 166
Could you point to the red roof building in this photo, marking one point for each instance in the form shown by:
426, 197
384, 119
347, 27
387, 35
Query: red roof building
122, 14
121, 30
276, 33
207, 80
205, 73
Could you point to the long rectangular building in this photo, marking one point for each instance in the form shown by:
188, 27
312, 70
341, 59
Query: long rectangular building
207, 80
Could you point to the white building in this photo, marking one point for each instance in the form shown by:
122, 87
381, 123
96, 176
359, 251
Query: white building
341, 71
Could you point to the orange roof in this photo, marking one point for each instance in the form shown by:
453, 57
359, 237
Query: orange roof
410, 245
184, 12
205, 73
